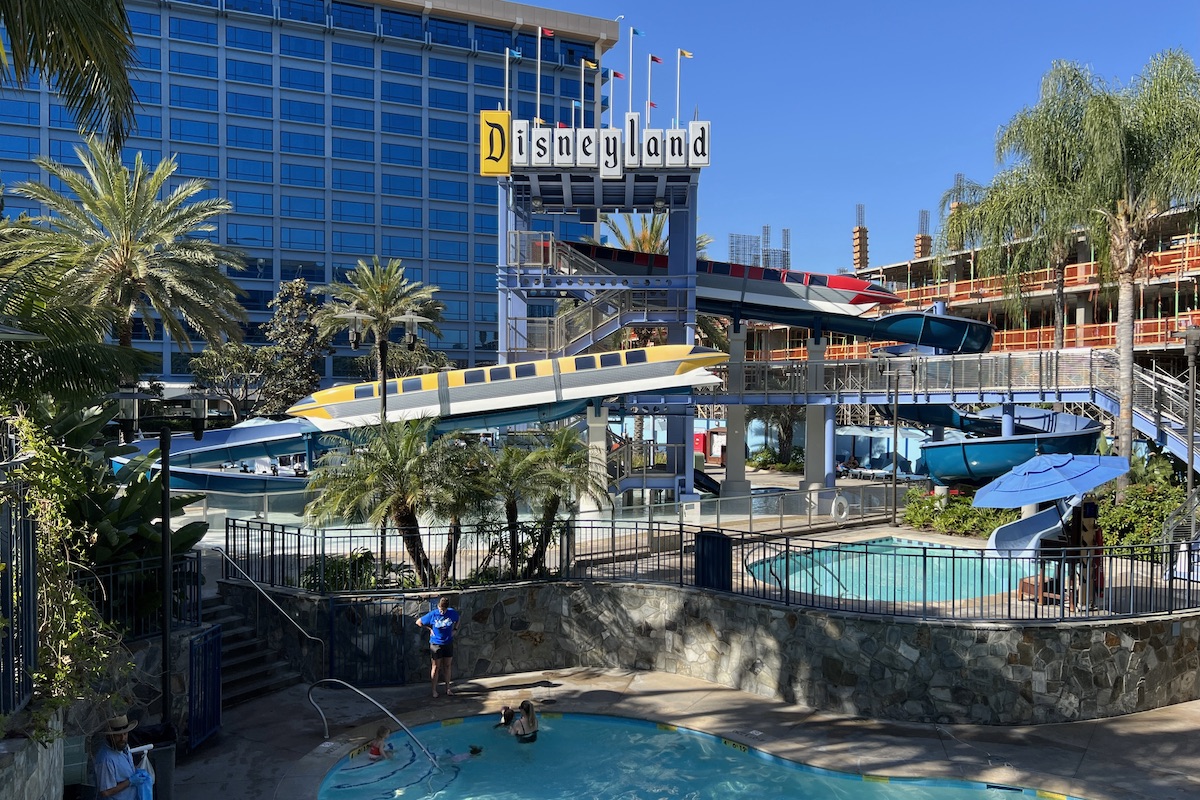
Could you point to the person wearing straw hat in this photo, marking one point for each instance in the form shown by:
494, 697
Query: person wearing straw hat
116, 777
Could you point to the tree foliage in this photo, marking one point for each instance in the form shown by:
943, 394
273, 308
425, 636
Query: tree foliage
297, 350
234, 372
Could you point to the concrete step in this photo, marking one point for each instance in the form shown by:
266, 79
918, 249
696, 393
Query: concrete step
237, 647
251, 672
246, 658
248, 690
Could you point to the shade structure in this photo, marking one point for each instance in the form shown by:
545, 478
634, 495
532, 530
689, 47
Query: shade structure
1050, 477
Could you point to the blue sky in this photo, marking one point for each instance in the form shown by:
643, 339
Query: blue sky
818, 107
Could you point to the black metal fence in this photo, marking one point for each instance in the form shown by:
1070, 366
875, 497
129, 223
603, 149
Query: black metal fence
18, 602
129, 595
885, 575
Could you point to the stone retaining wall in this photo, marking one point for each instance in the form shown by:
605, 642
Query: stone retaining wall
885, 668
31, 771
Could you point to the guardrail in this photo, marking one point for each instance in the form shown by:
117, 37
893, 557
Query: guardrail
128, 595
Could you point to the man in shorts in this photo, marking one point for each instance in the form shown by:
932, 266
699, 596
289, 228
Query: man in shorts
442, 623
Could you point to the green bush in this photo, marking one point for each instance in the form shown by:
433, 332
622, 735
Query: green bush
342, 573
764, 458
958, 518
1138, 520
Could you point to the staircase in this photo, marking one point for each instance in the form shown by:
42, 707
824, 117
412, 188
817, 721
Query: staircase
249, 668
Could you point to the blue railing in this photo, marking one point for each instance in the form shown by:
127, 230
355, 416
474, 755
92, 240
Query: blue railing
18, 603
129, 595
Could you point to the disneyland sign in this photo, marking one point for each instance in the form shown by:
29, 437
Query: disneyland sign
507, 145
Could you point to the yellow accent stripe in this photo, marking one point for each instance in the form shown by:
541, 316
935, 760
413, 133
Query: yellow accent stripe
876, 779
735, 745
663, 726
454, 721
1050, 795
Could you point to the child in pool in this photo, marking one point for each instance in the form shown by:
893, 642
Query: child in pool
506, 717
456, 758
379, 747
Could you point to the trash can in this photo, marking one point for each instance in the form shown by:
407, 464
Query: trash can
162, 757
714, 561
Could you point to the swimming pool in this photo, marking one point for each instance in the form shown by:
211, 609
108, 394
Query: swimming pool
589, 756
892, 569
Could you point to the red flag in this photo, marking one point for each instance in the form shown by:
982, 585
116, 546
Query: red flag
562, 124
620, 75
656, 59
653, 104
548, 33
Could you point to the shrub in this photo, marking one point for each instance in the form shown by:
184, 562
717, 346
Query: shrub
1138, 519
958, 518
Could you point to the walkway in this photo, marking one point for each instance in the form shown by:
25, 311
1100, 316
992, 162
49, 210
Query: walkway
273, 747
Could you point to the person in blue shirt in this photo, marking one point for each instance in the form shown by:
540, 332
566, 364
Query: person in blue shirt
442, 623
116, 777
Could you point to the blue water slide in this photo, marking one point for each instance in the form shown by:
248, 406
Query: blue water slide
986, 453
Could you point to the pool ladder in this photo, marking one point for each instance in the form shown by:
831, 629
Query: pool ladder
773, 553
377, 704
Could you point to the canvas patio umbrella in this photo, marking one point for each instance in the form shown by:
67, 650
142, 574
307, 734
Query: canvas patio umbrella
1050, 477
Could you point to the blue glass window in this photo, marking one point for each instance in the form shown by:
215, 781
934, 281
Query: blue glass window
141, 22
352, 242
489, 76
197, 165
492, 40
259, 203
447, 190
351, 86
193, 30
449, 130
353, 180
300, 111
402, 247
26, 112
444, 220
208, 3
251, 235
352, 17
250, 138
249, 169
188, 130
572, 52
447, 159
350, 211
347, 117
148, 125
527, 43
302, 239
129, 156
452, 280
24, 148
306, 143
193, 97
403, 154
485, 102
444, 250
486, 312
248, 38
525, 110
264, 7
302, 10
485, 281
353, 54
147, 57
64, 153
251, 105
401, 185
408, 124
451, 340
486, 223
455, 310
486, 252
60, 117
447, 99
248, 72
406, 63
486, 193
575, 231
302, 175
400, 93
302, 207
302, 47
355, 149
444, 31
450, 70
311, 271
146, 91
401, 216
194, 64
396, 23
306, 79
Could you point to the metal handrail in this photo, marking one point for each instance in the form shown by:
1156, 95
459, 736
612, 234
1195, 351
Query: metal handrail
377, 704
296, 625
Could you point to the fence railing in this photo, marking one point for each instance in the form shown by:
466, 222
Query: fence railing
129, 595
846, 571
18, 603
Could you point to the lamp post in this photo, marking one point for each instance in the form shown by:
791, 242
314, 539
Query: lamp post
164, 456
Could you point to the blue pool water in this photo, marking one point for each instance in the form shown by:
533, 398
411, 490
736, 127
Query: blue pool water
893, 570
586, 757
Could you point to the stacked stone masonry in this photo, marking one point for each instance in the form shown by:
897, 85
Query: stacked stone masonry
879, 667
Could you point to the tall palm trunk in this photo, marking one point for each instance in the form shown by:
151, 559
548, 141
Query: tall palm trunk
410, 533
381, 354
1124, 258
544, 531
514, 536
451, 550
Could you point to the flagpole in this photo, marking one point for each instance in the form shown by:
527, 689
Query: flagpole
582, 63
506, 50
678, 69
649, 70
629, 77
537, 109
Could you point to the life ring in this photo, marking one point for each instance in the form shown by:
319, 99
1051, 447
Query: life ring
840, 510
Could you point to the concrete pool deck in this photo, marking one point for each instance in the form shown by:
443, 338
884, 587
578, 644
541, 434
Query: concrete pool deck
273, 747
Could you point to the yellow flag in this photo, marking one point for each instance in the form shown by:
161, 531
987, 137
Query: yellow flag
685, 53
589, 64
495, 153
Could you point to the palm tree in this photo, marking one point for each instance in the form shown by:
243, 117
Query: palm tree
383, 481
513, 471
565, 474
783, 419
649, 235
461, 489
122, 248
83, 48
376, 297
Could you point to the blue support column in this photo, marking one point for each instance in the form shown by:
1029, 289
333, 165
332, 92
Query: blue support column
830, 440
